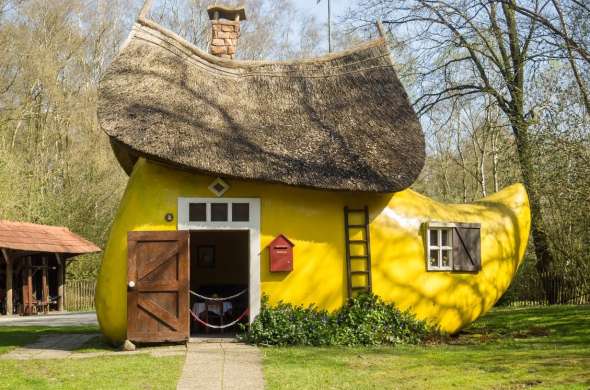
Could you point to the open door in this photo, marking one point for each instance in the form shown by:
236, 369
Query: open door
157, 286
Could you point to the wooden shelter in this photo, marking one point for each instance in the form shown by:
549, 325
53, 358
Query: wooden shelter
35, 257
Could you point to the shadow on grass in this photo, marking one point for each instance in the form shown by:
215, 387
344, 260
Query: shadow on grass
561, 325
20, 336
545, 347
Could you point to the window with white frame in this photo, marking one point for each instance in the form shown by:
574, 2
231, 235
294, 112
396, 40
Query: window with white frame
439, 239
199, 213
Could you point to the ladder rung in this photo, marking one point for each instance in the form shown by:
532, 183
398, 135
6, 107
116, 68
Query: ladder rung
356, 210
359, 272
360, 287
357, 241
359, 257
356, 226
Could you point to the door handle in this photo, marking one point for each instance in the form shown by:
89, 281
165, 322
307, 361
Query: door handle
131, 284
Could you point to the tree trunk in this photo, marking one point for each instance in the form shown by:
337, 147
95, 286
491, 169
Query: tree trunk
482, 175
544, 257
495, 161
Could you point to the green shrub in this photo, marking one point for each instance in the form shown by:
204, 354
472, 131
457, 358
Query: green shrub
364, 320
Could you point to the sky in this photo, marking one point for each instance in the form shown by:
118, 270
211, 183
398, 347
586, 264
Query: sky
338, 7
320, 9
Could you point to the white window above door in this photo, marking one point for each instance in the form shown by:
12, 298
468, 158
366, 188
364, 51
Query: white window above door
220, 213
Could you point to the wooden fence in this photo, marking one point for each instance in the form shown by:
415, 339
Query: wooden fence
79, 295
548, 289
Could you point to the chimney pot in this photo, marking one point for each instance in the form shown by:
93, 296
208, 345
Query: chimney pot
225, 29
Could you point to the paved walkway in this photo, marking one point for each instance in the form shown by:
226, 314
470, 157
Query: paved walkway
221, 366
51, 319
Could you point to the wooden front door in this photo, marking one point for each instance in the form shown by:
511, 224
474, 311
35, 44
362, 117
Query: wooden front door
157, 286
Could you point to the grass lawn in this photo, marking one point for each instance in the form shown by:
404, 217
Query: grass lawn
141, 371
106, 372
541, 348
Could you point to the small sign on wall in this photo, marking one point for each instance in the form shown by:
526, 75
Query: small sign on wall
281, 254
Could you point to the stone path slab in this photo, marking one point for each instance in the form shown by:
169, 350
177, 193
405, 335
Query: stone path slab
51, 319
222, 366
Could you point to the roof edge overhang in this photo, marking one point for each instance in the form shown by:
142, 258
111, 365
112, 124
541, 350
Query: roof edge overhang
128, 157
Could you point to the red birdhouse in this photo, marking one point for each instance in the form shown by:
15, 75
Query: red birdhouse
281, 254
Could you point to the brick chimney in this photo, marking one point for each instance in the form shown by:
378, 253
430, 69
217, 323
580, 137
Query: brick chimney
225, 29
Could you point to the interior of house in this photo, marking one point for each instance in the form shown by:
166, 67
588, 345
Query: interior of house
219, 278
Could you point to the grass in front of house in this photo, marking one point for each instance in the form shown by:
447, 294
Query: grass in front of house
544, 347
140, 371
17, 336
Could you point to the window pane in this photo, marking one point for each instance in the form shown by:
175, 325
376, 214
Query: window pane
197, 212
218, 212
446, 258
444, 241
433, 237
433, 258
240, 212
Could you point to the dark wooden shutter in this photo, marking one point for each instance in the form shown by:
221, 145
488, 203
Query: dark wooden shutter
467, 247
157, 306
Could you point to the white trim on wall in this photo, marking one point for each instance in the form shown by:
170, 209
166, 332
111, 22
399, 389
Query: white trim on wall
253, 226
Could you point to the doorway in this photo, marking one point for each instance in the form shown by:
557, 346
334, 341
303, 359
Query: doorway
239, 217
219, 280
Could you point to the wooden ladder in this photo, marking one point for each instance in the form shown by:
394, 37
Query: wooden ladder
364, 258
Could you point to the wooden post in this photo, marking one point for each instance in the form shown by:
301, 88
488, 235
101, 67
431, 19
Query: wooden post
44, 285
381, 29
24, 290
9, 308
65, 272
60, 282
29, 309
147, 5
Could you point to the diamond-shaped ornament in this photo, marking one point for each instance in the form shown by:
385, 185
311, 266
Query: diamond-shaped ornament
218, 187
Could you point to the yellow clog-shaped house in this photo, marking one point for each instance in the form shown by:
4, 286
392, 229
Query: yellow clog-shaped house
224, 156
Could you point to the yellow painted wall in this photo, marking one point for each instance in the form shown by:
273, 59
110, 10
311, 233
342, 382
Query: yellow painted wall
313, 220
451, 300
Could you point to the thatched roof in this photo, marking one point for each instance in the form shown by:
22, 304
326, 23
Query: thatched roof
340, 122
